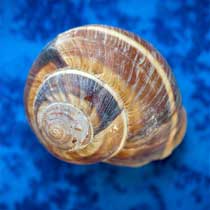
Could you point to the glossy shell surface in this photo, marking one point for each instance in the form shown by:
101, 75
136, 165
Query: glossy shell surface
98, 93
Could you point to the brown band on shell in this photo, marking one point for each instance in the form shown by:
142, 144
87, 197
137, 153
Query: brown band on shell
49, 54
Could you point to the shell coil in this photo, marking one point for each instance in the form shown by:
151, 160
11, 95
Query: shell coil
99, 93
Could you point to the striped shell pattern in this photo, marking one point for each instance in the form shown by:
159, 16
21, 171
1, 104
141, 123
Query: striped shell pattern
98, 93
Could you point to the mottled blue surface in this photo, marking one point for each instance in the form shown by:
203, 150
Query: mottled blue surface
32, 179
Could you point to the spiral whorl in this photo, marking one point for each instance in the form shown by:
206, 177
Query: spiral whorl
65, 126
99, 93
74, 114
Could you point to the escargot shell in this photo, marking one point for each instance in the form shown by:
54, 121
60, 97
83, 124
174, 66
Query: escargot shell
99, 93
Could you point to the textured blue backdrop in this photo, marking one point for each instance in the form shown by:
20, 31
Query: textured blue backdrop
32, 179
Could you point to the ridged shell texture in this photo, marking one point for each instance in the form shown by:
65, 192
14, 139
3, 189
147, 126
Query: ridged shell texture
98, 93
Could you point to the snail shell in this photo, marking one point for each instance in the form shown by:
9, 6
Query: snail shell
98, 93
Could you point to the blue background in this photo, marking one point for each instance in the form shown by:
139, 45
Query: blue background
31, 179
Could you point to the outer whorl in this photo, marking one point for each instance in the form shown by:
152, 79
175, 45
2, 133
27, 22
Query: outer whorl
99, 93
